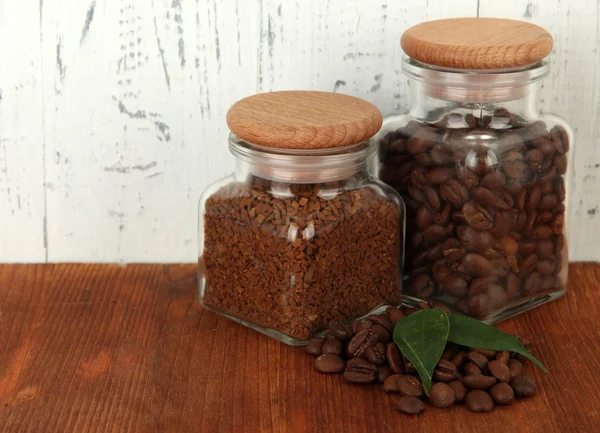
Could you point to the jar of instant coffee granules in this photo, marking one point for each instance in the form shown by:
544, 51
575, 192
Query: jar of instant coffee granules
301, 235
481, 170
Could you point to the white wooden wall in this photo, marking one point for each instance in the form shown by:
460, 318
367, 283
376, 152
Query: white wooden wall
112, 111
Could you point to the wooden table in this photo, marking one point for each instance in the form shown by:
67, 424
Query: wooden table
105, 348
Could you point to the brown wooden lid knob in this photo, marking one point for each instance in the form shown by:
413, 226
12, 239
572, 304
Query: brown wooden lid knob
303, 119
477, 43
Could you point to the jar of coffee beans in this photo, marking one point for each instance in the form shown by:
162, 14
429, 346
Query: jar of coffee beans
301, 235
482, 171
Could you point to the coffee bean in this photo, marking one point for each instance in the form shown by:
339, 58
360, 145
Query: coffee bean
477, 217
502, 393
422, 287
503, 357
514, 165
376, 354
383, 372
395, 314
479, 360
411, 386
445, 371
391, 383
394, 358
359, 325
459, 359
424, 217
383, 335
523, 386
497, 295
515, 367
455, 286
478, 381
500, 371
460, 391
532, 284
544, 248
476, 265
560, 139
330, 364
489, 354
361, 341
454, 192
339, 330
441, 395
471, 369
474, 240
479, 401
479, 305
383, 320
332, 346
360, 371
494, 180
410, 405
315, 346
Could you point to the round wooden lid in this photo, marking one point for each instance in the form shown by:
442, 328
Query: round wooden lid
477, 43
303, 119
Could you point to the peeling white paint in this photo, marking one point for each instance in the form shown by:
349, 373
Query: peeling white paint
113, 111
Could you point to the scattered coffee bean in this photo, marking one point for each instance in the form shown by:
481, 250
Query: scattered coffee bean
445, 371
479, 360
360, 371
383, 335
515, 367
500, 371
479, 401
460, 359
376, 354
479, 381
361, 341
502, 393
359, 325
391, 383
503, 357
410, 405
333, 346
383, 372
410, 385
395, 314
441, 395
471, 369
394, 358
523, 386
460, 391
340, 331
489, 354
314, 346
330, 364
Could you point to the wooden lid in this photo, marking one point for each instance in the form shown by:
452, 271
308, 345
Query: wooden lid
477, 43
303, 119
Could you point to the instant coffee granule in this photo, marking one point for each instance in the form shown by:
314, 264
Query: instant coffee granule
293, 257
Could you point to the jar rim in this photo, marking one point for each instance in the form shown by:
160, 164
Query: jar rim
244, 148
303, 165
475, 78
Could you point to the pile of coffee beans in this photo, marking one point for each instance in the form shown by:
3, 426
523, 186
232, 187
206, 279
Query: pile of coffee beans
366, 354
291, 257
485, 200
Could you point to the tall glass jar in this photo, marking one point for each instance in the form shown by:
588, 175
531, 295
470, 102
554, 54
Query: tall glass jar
482, 172
300, 235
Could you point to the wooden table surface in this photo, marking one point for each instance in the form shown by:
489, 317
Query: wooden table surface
105, 348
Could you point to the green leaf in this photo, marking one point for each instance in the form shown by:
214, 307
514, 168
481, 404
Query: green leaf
470, 332
422, 337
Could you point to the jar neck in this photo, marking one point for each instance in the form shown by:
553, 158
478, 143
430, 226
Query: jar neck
436, 91
300, 166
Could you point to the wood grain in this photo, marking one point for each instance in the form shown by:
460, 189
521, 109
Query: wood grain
303, 119
477, 43
104, 348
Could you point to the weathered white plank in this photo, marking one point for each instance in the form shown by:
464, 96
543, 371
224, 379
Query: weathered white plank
573, 91
345, 46
21, 134
136, 95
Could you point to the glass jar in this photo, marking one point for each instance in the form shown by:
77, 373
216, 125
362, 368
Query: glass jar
296, 238
482, 172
